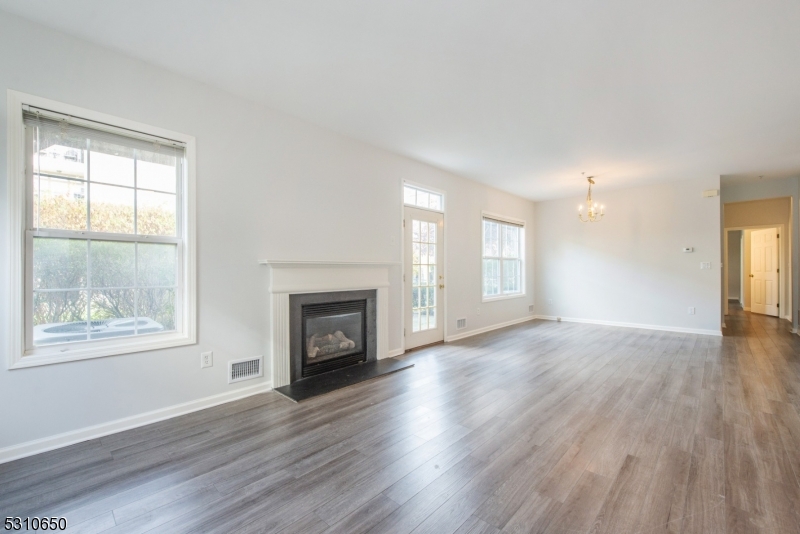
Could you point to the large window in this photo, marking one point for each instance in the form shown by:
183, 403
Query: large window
106, 259
502, 258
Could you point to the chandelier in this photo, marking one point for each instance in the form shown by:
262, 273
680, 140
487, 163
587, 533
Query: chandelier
593, 214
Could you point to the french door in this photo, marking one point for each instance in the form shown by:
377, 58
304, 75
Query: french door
423, 275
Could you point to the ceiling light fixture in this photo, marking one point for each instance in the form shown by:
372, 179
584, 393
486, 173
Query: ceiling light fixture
593, 213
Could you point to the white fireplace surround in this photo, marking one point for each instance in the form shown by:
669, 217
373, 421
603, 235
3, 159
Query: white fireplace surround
293, 277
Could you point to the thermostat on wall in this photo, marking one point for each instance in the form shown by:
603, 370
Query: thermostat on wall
688, 249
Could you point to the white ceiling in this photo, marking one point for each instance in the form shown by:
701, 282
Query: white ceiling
523, 95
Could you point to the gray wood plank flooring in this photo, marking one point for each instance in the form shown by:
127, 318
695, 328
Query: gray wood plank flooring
542, 427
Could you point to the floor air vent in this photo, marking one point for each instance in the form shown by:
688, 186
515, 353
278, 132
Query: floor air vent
245, 369
461, 323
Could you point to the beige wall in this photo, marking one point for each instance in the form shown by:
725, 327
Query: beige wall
757, 213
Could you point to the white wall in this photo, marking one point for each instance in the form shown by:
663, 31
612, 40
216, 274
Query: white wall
629, 268
268, 186
763, 189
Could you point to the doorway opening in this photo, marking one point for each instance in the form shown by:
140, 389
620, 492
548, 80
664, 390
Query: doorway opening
756, 270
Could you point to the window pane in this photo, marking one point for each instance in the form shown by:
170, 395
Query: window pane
431, 232
491, 238
431, 274
112, 304
491, 277
157, 306
423, 231
59, 204
422, 198
156, 171
511, 276
415, 321
59, 263
59, 316
111, 208
510, 241
415, 276
113, 265
157, 264
414, 230
110, 163
431, 296
415, 297
155, 213
436, 202
423, 319
409, 195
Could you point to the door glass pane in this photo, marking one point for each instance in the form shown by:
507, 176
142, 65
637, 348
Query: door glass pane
424, 268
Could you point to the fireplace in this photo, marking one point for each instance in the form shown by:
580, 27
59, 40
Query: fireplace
331, 330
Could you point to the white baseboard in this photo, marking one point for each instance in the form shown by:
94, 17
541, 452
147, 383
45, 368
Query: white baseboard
15, 452
635, 325
477, 331
396, 352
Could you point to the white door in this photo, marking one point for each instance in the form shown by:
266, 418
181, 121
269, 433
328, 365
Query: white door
764, 271
423, 277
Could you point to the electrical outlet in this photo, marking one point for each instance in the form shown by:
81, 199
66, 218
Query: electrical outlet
691, 310
206, 359
530, 308
479, 311
705, 264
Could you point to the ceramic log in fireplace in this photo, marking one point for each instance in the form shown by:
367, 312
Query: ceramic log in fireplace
332, 330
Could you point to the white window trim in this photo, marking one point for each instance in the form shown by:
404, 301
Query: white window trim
523, 258
427, 189
18, 357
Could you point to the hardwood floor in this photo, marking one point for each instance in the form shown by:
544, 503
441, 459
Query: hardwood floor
543, 427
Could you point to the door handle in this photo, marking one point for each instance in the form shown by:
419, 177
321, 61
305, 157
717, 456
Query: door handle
441, 286
751, 276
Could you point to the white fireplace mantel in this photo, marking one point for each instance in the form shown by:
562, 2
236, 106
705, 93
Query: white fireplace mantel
289, 277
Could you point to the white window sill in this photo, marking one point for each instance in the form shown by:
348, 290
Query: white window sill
89, 350
503, 297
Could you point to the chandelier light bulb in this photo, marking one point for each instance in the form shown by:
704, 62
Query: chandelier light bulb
592, 213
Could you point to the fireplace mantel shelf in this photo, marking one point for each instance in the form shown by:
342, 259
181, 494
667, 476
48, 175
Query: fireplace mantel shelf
323, 263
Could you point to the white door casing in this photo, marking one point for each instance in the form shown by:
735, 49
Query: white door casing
764, 288
423, 274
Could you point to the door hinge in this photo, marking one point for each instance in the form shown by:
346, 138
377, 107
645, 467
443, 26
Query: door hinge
404, 223
779, 270
404, 332
779, 236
